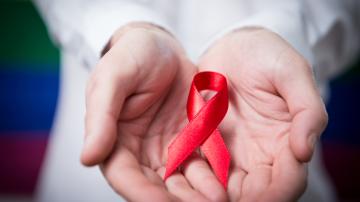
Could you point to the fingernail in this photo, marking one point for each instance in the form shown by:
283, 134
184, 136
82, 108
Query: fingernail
312, 139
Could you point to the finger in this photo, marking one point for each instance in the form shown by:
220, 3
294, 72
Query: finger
288, 179
256, 182
297, 86
179, 186
235, 185
200, 176
107, 90
127, 178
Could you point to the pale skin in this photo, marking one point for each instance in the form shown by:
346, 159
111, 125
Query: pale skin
136, 104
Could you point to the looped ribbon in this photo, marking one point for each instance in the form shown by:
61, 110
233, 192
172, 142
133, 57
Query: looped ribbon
201, 131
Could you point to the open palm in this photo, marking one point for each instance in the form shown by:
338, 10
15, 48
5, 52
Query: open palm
274, 116
136, 103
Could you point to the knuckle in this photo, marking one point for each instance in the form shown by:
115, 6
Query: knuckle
179, 184
217, 196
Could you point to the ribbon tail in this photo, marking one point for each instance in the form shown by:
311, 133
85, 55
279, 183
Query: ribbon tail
215, 150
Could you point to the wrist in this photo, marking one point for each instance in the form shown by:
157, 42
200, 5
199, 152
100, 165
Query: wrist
244, 32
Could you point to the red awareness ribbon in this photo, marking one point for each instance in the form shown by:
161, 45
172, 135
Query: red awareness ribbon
201, 131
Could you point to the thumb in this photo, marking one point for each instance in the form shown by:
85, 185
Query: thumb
109, 85
309, 118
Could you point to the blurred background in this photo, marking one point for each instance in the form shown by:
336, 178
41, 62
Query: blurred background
29, 81
29, 86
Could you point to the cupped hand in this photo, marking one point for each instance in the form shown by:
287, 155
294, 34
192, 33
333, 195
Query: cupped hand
275, 114
135, 106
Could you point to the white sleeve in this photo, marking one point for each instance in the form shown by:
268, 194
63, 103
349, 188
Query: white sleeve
83, 27
325, 32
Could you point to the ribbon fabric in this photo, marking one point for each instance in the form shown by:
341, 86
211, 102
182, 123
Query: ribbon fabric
201, 131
